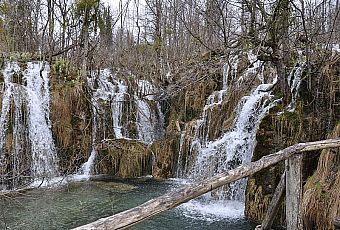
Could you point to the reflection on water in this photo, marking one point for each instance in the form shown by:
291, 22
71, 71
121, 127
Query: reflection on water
80, 203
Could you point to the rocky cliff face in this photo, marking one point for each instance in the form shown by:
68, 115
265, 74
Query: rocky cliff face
124, 159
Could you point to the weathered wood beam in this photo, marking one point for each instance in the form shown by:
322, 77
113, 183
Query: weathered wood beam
274, 204
294, 192
153, 207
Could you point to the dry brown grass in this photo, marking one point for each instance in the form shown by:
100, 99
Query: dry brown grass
123, 158
71, 127
321, 201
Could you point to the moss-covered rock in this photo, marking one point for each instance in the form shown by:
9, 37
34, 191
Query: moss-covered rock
71, 125
166, 155
123, 158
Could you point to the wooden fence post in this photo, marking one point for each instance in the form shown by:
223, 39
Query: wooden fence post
294, 192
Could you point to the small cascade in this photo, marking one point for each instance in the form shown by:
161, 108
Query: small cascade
294, 80
42, 146
230, 70
234, 147
201, 126
103, 91
117, 110
86, 168
11, 93
27, 151
148, 124
108, 99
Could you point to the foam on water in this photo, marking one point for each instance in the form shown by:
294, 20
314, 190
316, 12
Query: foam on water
55, 182
213, 210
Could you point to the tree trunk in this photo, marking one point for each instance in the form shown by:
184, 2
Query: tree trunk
294, 192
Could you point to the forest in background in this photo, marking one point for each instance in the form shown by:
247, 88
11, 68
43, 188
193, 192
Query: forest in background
153, 39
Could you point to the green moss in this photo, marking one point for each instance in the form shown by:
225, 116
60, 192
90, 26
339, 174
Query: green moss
289, 116
60, 67
318, 185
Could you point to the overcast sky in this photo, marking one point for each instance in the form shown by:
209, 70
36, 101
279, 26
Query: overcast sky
113, 3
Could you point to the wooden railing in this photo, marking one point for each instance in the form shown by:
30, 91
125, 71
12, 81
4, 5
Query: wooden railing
292, 176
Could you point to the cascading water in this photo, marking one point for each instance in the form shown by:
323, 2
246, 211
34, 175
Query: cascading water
109, 90
234, 147
294, 80
147, 122
43, 151
32, 156
202, 125
103, 90
117, 109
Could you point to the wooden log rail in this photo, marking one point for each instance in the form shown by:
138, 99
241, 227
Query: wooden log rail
153, 207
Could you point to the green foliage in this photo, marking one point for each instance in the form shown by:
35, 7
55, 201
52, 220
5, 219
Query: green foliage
61, 67
4, 8
85, 5
291, 116
158, 43
318, 185
105, 26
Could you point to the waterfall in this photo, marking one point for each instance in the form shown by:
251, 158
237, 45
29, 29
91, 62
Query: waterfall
236, 146
147, 123
103, 91
109, 90
117, 109
43, 151
32, 155
202, 125
294, 80
204, 158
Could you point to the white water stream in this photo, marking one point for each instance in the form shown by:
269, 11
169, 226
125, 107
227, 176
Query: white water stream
28, 93
107, 89
233, 148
